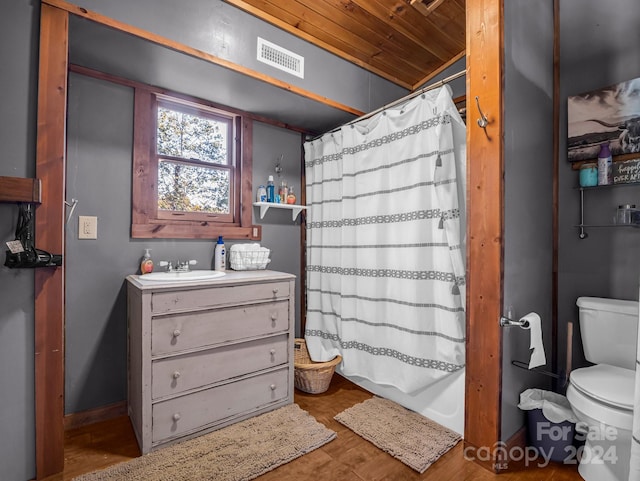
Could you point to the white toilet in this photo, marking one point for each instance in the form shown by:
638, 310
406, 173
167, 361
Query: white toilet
602, 395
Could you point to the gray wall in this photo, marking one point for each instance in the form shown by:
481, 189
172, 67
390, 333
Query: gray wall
458, 85
279, 232
18, 47
99, 176
228, 32
99, 142
600, 46
528, 157
99, 157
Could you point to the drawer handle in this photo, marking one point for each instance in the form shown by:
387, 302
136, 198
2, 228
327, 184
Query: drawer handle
176, 417
273, 387
176, 375
274, 317
272, 352
176, 333
275, 290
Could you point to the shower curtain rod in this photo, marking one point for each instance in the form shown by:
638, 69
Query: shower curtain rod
434, 85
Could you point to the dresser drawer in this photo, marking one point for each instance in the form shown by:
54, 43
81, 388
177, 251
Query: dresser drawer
163, 302
181, 373
196, 411
186, 331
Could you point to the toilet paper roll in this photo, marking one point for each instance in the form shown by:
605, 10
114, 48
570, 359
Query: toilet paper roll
538, 357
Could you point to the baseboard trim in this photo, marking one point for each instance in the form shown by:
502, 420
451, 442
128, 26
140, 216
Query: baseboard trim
482, 457
497, 458
515, 444
91, 416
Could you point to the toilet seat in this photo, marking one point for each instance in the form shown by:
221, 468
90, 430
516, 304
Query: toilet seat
609, 384
604, 393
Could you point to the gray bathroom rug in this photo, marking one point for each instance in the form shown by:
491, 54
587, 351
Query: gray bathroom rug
406, 435
239, 452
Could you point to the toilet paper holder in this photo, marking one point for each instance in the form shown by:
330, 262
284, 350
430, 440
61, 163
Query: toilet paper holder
506, 322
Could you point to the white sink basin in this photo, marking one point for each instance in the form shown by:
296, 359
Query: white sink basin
189, 276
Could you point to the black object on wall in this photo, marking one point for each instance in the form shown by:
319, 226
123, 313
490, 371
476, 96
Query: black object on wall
22, 252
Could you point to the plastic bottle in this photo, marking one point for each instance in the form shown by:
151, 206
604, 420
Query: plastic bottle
219, 256
284, 191
291, 197
605, 174
146, 266
271, 190
262, 194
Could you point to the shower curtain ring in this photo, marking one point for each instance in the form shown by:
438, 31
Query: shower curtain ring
482, 121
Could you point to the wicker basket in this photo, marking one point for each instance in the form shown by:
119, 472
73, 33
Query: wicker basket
309, 376
249, 260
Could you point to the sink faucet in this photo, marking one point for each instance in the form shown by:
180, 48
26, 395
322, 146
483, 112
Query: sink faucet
179, 266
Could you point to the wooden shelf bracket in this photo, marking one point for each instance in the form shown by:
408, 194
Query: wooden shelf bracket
19, 189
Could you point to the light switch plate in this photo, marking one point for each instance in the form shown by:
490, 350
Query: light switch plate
87, 227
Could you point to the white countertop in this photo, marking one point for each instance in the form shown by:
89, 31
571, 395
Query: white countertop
230, 278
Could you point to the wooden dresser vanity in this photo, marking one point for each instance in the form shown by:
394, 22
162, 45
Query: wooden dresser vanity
206, 354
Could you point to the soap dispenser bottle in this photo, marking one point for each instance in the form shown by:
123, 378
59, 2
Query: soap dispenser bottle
219, 256
146, 266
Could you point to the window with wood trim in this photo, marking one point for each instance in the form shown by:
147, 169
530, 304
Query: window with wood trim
191, 169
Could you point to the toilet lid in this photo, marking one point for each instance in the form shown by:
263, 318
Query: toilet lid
609, 384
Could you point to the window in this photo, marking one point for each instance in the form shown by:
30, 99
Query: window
196, 167
191, 160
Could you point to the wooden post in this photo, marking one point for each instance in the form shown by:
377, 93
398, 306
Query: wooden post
485, 227
49, 281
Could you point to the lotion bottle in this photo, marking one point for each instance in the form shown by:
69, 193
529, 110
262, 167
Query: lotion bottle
146, 266
219, 256
605, 174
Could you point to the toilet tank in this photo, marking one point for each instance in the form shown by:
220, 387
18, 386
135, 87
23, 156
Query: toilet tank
609, 330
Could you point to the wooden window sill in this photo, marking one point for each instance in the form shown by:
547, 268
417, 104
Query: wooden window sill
180, 231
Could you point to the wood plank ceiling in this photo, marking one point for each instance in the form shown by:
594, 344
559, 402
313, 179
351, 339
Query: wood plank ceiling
405, 41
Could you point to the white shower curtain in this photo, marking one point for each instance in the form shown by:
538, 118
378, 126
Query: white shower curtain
385, 244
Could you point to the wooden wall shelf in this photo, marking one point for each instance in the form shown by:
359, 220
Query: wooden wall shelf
19, 189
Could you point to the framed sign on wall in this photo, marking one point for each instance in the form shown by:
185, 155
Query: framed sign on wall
610, 114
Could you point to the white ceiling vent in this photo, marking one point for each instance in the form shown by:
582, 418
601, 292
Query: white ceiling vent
280, 58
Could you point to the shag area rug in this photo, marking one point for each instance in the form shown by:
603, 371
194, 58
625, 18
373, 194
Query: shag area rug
242, 451
406, 435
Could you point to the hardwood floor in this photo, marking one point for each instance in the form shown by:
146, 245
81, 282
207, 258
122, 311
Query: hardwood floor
349, 457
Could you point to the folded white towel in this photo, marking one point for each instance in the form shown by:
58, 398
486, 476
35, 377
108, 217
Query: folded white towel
245, 247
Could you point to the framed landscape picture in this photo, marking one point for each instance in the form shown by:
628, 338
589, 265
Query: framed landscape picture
610, 114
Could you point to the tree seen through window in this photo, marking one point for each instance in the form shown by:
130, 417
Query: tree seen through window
194, 167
